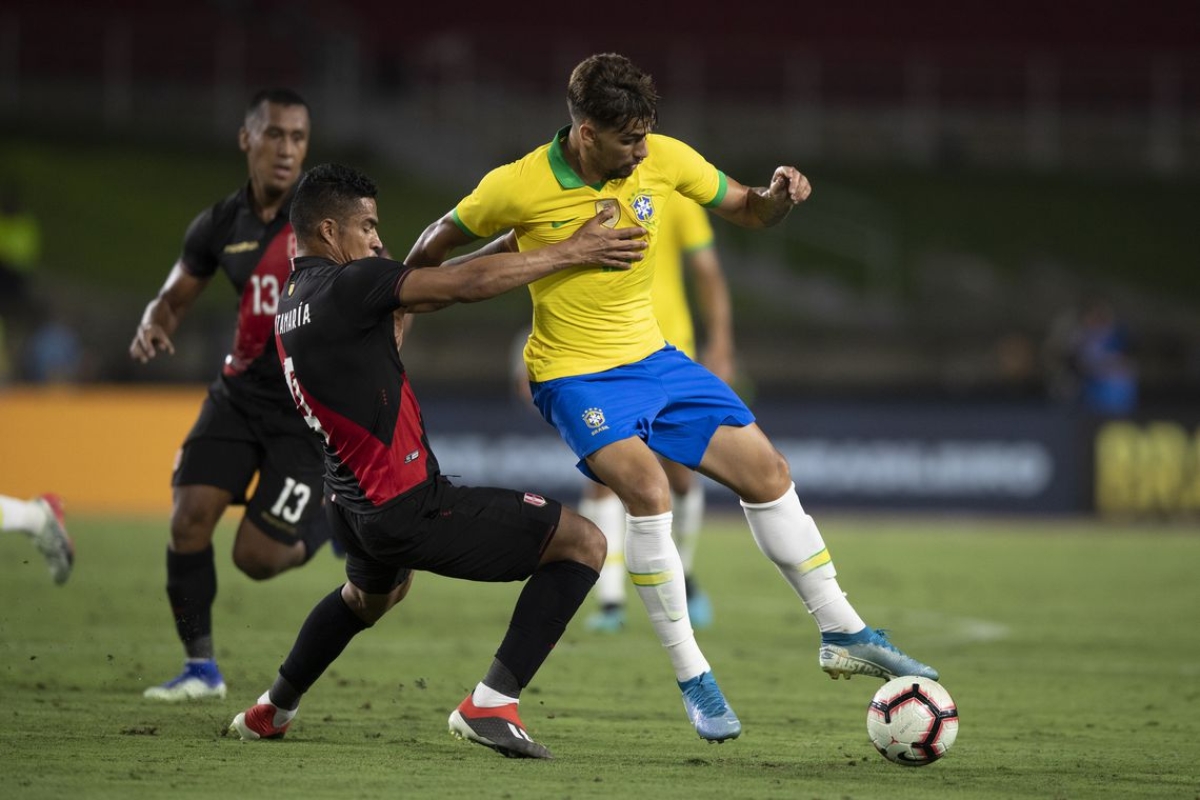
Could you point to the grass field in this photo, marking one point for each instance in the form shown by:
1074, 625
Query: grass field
1070, 647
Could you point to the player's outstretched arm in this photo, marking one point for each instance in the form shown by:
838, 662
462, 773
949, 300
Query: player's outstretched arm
593, 245
437, 242
163, 314
501, 244
762, 207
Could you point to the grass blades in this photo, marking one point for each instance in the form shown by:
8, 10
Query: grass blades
1069, 646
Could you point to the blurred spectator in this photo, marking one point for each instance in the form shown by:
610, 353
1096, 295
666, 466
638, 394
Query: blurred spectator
1109, 377
52, 353
1015, 356
20, 249
1089, 360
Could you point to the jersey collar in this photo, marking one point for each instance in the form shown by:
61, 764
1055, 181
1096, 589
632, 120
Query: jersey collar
305, 262
566, 177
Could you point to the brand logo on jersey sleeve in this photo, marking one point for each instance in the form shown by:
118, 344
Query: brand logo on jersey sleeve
535, 499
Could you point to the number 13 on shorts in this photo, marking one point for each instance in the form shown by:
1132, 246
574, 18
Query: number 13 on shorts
292, 500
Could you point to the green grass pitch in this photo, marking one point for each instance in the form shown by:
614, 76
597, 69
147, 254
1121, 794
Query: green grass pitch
1071, 648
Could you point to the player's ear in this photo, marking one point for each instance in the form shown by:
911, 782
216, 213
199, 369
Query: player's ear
243, 139
328, 230
587, 131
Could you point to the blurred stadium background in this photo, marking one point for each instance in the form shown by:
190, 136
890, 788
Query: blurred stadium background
988, 177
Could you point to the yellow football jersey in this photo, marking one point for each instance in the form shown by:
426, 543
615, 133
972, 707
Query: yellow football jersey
588, 319
685, 229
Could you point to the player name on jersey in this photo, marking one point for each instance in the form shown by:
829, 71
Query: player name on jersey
292, 318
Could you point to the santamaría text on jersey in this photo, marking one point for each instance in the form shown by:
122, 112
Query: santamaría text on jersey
292, 318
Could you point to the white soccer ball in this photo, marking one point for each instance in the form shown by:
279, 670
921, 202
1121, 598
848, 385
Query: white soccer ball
912, 720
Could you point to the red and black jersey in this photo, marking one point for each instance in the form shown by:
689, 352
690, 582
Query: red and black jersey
337, 345
256, 256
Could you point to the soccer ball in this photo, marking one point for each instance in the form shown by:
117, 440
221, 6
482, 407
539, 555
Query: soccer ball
912, 720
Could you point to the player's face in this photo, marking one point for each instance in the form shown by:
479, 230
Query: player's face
275, 140
359, 236
617, 153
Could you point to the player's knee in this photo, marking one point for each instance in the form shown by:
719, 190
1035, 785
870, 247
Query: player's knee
779, 473
260, 564
370, 608
772, 479
578, 539
593, 545
648, 498
191, 529
254, 567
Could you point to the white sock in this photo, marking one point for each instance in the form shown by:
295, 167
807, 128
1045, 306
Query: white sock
282, 715
608, 513
790, 538
487, 697
688, 509
21, 515
654, 565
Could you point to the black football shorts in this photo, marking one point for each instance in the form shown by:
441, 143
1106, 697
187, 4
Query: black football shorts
477, 534
232, 441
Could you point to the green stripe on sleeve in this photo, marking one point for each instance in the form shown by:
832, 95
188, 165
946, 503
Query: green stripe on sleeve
722, 187
462, 225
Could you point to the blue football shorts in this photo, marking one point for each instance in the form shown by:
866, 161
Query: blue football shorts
669, 401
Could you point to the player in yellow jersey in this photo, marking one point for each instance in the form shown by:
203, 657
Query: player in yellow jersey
620, 396
685, 245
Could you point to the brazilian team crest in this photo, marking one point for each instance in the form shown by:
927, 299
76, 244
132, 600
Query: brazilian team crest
643, 207
593, 418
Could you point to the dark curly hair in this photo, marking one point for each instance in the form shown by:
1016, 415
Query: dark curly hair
612, 92
327, 191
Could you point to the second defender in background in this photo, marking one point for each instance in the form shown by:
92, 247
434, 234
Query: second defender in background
247, 425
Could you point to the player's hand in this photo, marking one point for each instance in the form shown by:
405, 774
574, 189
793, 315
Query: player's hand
789, 183
149, 339
596, 243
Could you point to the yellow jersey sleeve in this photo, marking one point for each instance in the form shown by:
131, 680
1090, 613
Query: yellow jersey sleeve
493, 205
694, 177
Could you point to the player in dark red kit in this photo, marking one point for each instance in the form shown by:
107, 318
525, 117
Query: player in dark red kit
247, 424
386, 499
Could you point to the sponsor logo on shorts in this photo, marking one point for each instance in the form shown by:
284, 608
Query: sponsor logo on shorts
535, 499
412, 456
